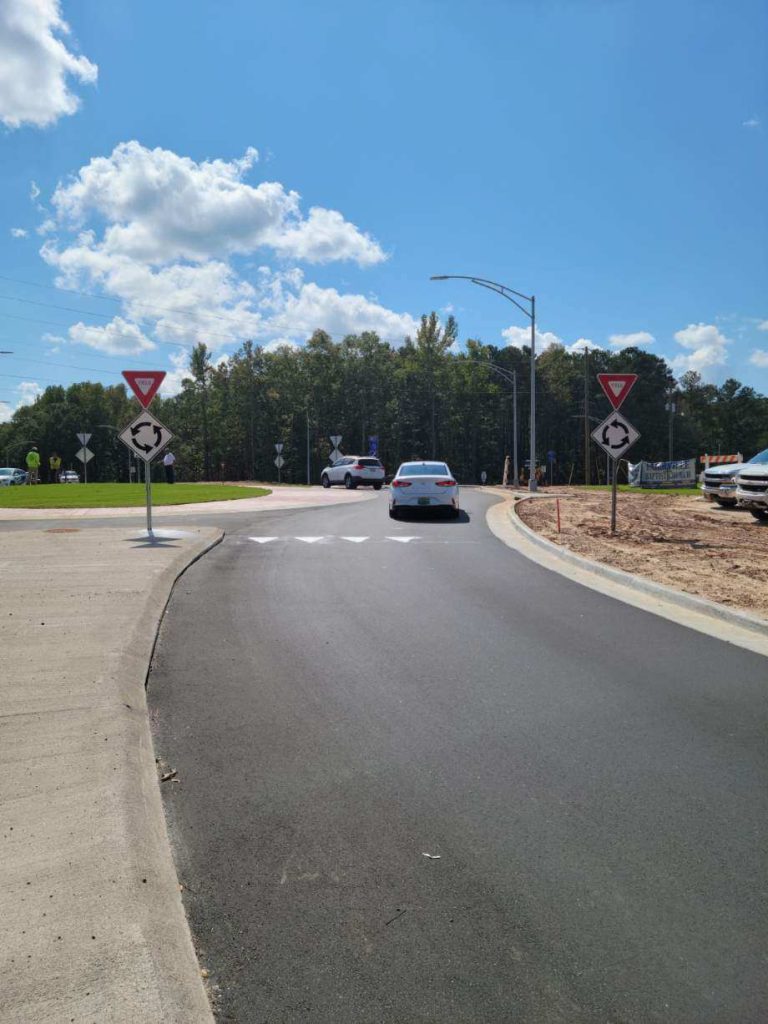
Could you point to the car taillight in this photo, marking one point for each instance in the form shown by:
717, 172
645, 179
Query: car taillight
445, 483
401, 483
359, 465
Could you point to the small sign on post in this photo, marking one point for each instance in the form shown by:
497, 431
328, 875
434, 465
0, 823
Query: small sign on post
85, 455
279, 461
145, 436
615, 435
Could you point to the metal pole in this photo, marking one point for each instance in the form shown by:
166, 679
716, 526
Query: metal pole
587, 473
514, 428
308, 467
532, 474
613, 496
148, 485
85, 460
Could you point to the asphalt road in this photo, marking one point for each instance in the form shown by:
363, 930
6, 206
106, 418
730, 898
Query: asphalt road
425, 780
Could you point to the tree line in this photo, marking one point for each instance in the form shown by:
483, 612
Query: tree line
423, 399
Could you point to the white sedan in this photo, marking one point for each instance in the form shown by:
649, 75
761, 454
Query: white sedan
424, 485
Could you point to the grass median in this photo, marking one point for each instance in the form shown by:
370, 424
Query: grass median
121, 495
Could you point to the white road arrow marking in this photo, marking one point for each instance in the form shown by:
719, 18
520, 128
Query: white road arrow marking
262, 540
403, 540
309, 540
355, 540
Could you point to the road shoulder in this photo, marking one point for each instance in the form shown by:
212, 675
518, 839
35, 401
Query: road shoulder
93, 924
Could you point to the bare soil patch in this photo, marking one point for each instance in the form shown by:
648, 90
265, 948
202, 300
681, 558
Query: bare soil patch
683, 542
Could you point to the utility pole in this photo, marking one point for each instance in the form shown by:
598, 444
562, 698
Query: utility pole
671, 408
587, 479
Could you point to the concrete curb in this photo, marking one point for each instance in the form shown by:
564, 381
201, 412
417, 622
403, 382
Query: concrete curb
164, 920
677, 597
94, 927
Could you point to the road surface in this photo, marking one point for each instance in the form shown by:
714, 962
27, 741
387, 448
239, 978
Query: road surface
424, 780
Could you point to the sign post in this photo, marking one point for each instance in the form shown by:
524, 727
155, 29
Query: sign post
85, 454
279, 461
145, 436
615, 435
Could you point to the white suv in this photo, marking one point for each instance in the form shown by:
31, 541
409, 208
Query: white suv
352, 470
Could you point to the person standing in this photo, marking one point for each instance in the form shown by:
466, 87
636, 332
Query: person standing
54, 465
169, 461
33, 465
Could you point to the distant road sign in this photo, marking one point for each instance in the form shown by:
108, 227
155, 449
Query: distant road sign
616, 386
279, 447
335, 440
279, 461
373, 444
85, 454
615, 435
146, 436
551, 456
144, 383
84, 438
334, 456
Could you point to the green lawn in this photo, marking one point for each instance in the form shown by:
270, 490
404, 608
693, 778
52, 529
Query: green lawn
682, 491
120, 495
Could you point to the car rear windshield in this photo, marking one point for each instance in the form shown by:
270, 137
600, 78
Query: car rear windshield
425, 469
369, 462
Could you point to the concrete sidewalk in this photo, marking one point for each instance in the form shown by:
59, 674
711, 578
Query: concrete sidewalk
93, 928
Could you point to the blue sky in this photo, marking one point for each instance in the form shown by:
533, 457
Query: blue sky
175, 172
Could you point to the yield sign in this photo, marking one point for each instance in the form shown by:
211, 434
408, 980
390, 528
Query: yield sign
615, 435
84, 438
144, 383
616, 386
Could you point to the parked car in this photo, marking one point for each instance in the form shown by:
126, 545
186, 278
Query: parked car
752, 485
10, 477
719, 482
353, 470
69, 476
424, 485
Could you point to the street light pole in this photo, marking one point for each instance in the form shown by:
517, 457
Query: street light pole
510, 378
507, 293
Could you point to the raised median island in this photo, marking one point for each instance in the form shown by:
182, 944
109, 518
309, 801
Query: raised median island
121, 495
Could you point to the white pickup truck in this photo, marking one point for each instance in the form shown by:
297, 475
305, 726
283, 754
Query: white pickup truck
719, 482
752, 485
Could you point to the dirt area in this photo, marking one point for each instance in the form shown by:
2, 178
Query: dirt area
683, 542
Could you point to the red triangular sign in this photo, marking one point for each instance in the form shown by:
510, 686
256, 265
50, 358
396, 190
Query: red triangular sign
616, 386
144, 383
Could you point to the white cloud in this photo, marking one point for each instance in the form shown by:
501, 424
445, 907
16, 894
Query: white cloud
115, 338
763, 325
161, 207
707, 347
35, 64
759, 358
751, 122
34, 191
633, 340
582, 345
299, 312
517, 337
26, 393
18, 232
159, 232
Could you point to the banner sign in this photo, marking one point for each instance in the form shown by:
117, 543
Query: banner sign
681, 473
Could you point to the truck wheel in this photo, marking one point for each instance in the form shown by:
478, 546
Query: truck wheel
760, 513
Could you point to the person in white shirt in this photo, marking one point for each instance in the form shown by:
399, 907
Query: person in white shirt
169, 461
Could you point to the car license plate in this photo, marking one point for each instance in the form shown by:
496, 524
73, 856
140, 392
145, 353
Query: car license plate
423, 501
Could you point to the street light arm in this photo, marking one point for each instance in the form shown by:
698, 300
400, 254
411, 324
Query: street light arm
494, 286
